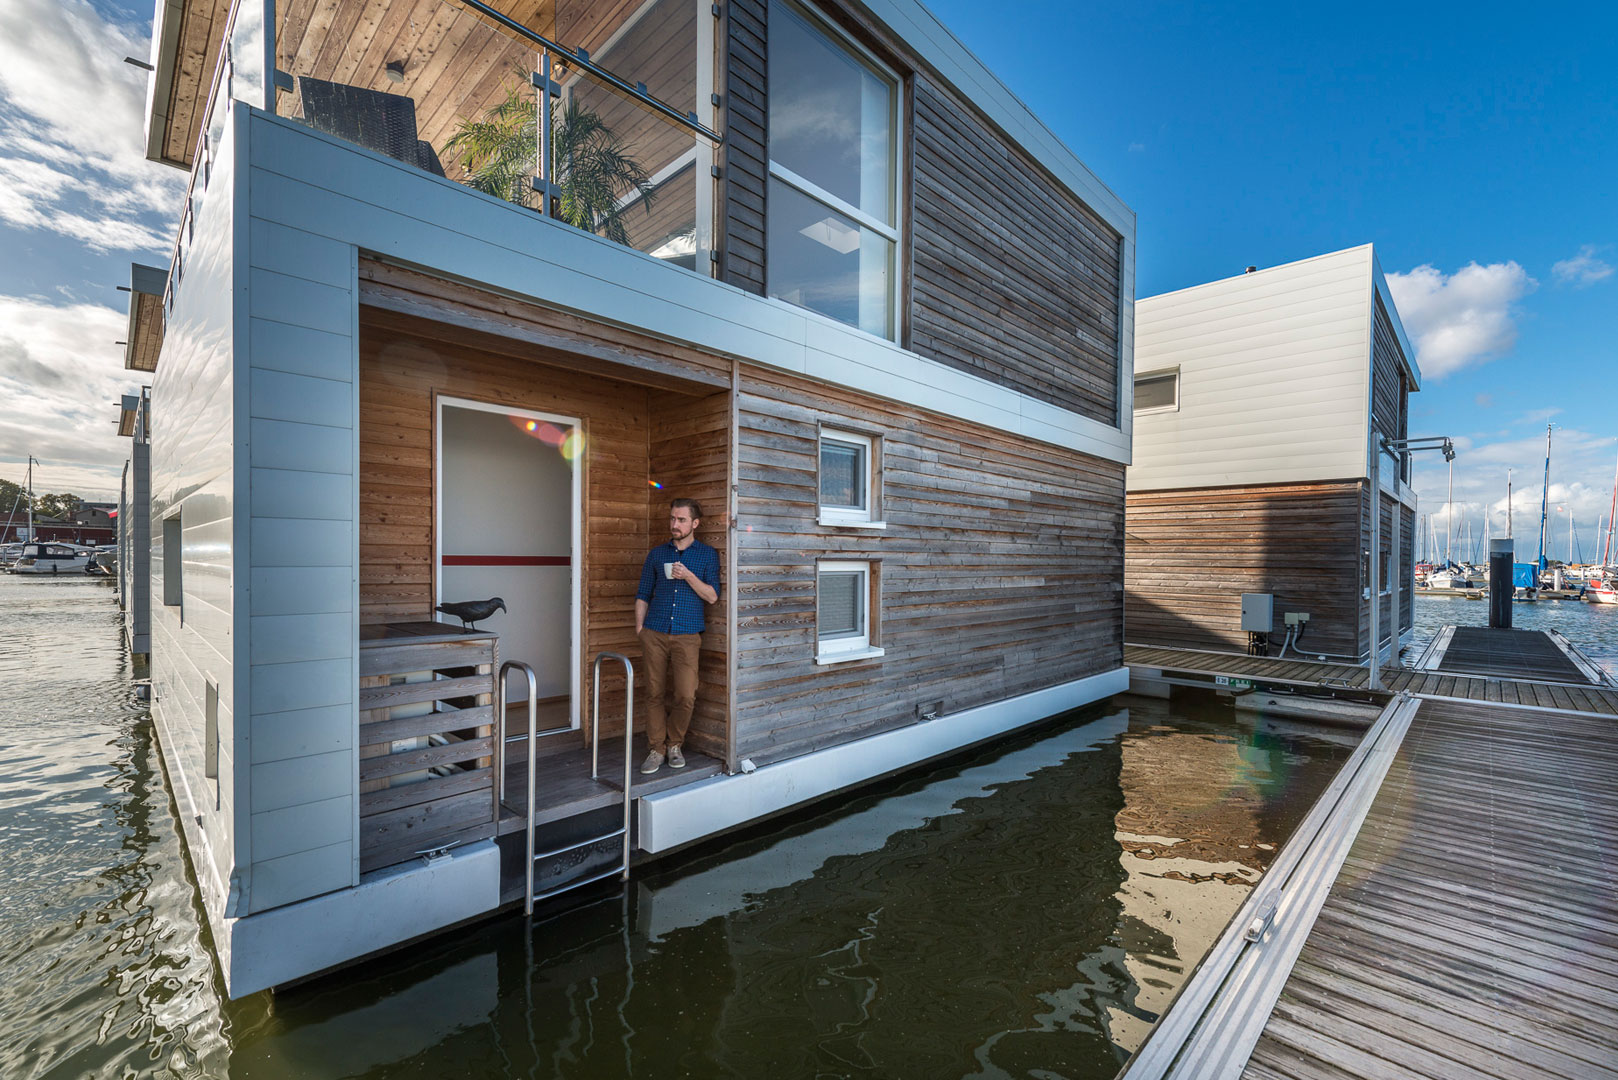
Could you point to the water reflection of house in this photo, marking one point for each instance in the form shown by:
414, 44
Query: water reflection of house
862, 304
1189, 829
1260, 404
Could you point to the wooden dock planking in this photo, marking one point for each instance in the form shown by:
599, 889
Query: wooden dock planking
1484, 685
1473, 931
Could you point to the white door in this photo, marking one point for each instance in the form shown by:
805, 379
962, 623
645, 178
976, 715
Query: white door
508, 489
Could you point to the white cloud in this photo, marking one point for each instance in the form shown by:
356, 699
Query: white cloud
1582, 269
1538, 416
1461, 319
71, 129
59, 377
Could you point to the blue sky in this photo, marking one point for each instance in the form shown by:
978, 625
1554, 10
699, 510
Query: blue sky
1474, 145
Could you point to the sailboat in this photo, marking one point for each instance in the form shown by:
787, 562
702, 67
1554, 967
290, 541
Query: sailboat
1603, 589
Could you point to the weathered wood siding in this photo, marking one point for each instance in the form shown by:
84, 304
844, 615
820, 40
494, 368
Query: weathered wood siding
690, 457
745, 161
998, 568
1390, 386
1004, 273
1013, 278
1189, 555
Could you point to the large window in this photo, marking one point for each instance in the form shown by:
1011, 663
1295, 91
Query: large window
843, 612
833, 190
848, 479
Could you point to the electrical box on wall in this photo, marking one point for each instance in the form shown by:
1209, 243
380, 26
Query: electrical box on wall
1258, 612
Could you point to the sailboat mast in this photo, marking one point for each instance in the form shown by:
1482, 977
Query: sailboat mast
1449, 511
30, 496
1606, 553
1508, 504
1545, 499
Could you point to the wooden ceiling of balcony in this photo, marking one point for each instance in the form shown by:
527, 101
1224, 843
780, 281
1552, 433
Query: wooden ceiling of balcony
457, 63
201, 32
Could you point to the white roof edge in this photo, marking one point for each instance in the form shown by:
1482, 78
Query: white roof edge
1145, 300
152, 280
1381, 283
933, 42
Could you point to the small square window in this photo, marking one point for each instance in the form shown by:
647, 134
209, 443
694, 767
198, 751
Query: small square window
847, 473
1157, 392
843, 612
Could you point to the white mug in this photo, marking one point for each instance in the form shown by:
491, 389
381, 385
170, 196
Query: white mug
668, 570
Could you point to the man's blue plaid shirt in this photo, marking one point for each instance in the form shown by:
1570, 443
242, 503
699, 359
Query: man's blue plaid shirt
673, 607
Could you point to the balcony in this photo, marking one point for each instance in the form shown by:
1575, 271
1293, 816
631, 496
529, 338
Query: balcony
451, 88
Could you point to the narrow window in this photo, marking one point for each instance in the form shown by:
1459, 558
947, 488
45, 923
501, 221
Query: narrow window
210, 735
173, 592
832, 205
843, 612
1158, 392
847, 479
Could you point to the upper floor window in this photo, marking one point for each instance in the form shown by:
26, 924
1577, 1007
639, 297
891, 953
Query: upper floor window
832, 230
1157, 392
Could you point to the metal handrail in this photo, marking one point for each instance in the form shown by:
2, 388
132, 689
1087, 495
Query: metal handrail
629, 733
500, 726
581, 58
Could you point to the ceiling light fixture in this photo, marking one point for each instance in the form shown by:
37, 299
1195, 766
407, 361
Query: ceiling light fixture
395, 71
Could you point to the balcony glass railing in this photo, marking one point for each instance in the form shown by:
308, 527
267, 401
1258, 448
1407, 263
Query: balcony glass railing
451, 87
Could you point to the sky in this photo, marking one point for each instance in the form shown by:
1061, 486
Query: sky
1475, 145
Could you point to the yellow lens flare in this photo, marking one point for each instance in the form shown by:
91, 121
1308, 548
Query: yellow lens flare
572, 444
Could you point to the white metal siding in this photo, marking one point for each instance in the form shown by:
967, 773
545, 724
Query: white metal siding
1274, 377
193, 474
304, 631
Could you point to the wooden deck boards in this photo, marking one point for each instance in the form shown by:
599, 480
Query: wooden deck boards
1487, 686
1474, 930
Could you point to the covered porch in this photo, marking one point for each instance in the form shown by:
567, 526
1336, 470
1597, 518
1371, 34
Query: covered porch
508, 450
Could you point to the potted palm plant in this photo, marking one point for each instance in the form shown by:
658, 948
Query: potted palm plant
498, 154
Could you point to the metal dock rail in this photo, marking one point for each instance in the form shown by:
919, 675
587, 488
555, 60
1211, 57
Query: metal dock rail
1449, 908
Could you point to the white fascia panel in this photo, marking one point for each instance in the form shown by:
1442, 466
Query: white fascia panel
385, 908
321, 185
669, 819
164, 58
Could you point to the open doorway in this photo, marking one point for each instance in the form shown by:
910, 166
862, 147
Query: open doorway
508, 525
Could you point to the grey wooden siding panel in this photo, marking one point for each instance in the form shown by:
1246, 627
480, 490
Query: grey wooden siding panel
1189, 555
745, 154
1013, 278
998, 569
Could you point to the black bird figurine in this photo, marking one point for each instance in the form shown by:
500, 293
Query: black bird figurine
472, 611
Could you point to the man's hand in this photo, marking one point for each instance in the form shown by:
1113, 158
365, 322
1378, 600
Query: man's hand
681, 573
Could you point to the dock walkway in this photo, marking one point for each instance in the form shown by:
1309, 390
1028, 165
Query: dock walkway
1449, 908
1193, 667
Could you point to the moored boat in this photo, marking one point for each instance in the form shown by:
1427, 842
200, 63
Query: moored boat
43, 557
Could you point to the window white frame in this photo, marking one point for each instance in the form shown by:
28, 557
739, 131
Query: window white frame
855, 517
849, 647
1152, 376
839, 37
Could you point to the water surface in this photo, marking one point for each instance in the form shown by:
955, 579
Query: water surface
1025, 910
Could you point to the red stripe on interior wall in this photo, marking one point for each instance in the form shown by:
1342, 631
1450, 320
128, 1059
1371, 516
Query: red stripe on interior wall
507, 560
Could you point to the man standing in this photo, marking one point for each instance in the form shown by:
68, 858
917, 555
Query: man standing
677, 582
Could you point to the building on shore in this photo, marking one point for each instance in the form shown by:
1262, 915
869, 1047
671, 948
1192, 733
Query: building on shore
1261, 405
810, 264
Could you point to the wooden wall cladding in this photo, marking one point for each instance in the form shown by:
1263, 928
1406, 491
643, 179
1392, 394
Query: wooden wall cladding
1013, 278
402, 365
690, 457
1388, 385
745, 164
1190, 554
998, 568
1009, 276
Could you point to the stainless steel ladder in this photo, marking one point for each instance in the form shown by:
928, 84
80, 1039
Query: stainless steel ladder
529, 896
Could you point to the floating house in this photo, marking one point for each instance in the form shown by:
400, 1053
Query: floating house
1262, 403
462, 294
